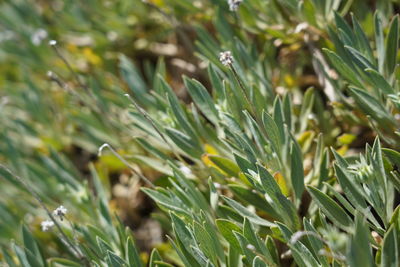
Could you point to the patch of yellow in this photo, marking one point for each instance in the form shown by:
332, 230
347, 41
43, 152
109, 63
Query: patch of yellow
289, 80
346, 139
210, 149
342, 151
282, 183
304, 137
91, 56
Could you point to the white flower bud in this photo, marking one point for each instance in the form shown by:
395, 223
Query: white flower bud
234, 4
226, 58
61, 211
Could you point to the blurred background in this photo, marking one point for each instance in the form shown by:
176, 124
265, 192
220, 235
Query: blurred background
59, 104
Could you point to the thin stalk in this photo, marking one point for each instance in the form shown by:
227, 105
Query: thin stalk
252, 110
141, 176
76, 77
95, 106
41, 203
241, 85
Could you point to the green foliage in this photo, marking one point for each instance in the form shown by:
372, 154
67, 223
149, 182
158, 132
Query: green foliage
286, 156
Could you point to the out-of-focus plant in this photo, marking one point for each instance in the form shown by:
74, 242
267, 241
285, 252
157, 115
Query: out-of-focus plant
244, 175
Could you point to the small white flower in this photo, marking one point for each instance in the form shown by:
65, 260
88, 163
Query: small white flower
46, 225
52, 42
61, 211
234, 4
226, 58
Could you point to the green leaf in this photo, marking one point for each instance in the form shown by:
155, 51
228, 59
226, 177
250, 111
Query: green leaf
254, 239
186, 258
161, 264
21, 255
257, 262
279, 118
273, 132
380, 82
330, 208
64, 262
379, 39
372, 107
316, 244
202, 99
352, 190
246, 213
103, 245
132, 255
181, 118
216, 81
362, 40
390, 251
244, 164
247, 251
206, 243
346, 71
271, 246
297, 171
249, 196
35, 258
392, 45
359, 251
361, 61
154, 257
287, 111
301, 254
282, 206
213, 194
185, 143
226, 228
134, 80
113, 260
393, 156
186, 240
228, 166
163, 200
8, 259
341, 24
306, 108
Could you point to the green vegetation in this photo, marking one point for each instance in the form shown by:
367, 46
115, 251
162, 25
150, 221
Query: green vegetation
199, 133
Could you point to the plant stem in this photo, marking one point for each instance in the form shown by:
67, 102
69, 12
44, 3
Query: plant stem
41, 203
76, 77
141, 176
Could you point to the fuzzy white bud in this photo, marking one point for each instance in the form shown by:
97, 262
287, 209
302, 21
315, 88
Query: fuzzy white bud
226, 58
61, 211
234, 4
